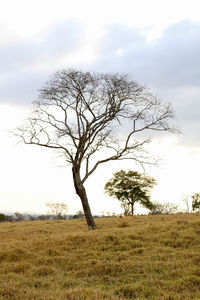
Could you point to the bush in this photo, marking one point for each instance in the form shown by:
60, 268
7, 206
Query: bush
2, 218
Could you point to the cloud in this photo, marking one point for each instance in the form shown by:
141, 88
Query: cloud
56, 40
27, 63
173, 59
20, 87
169, 64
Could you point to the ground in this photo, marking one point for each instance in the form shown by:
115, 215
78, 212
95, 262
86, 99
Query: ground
141, 257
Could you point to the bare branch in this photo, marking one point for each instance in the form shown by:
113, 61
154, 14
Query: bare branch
83, 114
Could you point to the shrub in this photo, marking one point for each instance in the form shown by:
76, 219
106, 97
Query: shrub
2, 218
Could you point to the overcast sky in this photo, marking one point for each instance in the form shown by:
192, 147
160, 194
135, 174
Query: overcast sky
157, 42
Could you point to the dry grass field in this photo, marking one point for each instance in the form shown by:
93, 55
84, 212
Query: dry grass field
141, 257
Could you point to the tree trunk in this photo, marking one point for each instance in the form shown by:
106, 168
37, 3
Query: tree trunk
132, 208
81, 192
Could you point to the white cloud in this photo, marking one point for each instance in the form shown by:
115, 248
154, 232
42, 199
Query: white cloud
26, 18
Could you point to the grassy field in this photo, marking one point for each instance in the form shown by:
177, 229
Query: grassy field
141, 257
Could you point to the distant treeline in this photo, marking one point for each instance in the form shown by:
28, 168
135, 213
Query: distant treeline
17, 217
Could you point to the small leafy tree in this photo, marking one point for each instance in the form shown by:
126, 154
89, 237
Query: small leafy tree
57, 209
196, 202
130, 187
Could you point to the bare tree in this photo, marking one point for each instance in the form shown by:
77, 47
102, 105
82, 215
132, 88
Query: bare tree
185, 199
57, 209
83, 114
164, 208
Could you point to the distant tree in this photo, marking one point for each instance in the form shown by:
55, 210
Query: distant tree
196, 202
80, 212
130, 187
2, 218
57, 209
9, 218
163, 208
77, 114
185, 199
19, 216
31, 217
44, 217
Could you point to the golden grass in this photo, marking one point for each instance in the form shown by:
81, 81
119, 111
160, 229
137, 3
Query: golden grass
141, 257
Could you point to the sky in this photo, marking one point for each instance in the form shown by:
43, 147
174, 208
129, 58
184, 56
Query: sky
155, 41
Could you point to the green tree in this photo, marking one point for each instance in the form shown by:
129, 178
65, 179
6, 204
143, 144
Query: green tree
196, 201
91, 119
130, 187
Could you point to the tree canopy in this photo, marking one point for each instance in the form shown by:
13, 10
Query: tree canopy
130, 187
94, 118
196, 201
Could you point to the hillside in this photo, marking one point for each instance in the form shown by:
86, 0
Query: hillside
141, 257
